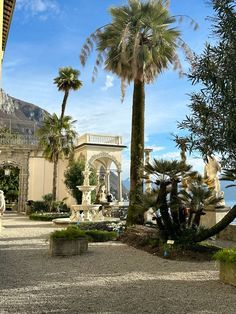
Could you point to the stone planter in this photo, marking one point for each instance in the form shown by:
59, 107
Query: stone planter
228, 273
65, 247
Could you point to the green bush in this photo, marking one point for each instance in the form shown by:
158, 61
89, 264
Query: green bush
74, 232
38, 206
74, 177
100, 236
70, 233
100, 225
226, 255
47, 216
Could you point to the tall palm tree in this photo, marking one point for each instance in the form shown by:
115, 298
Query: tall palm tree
139, 43
67, 81
56, 137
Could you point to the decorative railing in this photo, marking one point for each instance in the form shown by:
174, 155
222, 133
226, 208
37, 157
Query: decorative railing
99, 139
19, 140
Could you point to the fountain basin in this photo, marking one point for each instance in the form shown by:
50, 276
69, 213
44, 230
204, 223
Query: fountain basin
86, 212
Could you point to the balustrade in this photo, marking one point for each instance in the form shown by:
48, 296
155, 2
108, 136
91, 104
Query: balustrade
99, 139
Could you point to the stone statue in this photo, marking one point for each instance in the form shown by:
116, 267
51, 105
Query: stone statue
2, 202
101, 193
149, 216
211, 169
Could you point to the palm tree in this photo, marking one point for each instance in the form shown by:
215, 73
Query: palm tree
138, 45
167, 175
56, 137
175, 220
229, 175
67, 81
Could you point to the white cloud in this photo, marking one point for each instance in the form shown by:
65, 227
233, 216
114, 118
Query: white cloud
170, 155
38, 7
156, 148
109, 82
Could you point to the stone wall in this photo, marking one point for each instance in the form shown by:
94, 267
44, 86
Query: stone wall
229, 233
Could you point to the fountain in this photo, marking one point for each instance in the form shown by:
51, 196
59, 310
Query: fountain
86, 211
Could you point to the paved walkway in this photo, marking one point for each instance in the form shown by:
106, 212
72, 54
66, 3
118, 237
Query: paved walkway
109, 278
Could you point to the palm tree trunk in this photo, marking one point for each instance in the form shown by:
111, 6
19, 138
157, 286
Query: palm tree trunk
54, 181
63, 105
228, 218
137, 146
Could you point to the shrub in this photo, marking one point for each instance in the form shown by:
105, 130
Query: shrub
70, 233
47, 216
101, 225
74, 232
100, 236
38, 206
226, 255
74, 177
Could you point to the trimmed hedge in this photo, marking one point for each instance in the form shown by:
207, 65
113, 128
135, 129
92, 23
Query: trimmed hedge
100, 236
70, 233
74, 232
47, 216
100, 225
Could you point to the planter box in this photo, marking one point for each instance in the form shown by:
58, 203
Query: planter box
228, 273
65, 247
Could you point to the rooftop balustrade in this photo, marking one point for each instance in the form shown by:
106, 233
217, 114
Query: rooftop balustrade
99, 139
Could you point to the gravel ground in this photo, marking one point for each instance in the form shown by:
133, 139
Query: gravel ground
109, 278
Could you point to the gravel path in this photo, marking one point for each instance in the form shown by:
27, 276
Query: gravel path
109, 278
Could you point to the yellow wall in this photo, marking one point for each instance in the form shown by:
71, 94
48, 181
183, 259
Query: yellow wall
40, 179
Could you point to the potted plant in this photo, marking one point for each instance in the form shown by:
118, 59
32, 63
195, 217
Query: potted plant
227, 262
67, 242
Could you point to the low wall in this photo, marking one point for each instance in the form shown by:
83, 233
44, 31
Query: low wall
229, 233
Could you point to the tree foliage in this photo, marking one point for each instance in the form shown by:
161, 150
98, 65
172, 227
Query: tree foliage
211, 123
138, 44
74, 177
9, 184
67, 81
56, 138
178, 210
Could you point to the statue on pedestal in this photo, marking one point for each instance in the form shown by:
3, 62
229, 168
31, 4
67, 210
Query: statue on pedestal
212, 167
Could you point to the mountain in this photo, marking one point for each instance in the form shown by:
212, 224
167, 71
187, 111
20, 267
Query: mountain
114, 184
126, 183
23, 119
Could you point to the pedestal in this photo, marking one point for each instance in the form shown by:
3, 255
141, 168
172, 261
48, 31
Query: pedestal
213, 216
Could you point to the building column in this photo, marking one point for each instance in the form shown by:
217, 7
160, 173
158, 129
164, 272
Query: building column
119, 186
98, 180
107, 180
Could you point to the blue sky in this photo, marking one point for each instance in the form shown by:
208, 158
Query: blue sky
48, 34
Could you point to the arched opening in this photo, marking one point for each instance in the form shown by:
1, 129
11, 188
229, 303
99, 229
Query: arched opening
108, 173
9, 183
